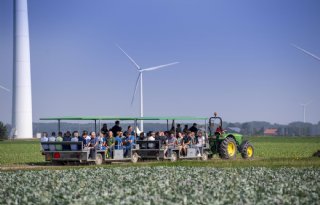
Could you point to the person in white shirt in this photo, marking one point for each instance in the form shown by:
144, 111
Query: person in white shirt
44, 138
75, 138
52, 138
200, 142
151, 138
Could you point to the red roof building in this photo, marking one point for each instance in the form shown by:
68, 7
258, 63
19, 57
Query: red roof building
271, 132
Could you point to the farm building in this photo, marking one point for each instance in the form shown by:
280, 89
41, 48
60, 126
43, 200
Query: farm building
271, 132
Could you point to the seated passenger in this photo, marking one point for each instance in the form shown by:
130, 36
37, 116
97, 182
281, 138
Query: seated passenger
44, 138
141, 136
93, 145
75, 135
130, 130
110, 143
66, 138
102, 141
86, 137
179, 141
219, 130
186, 142
163, 138
151, 138
52, 138
104, 128
170, 144
59, 139
81, 139
116, 128
118, 141
128, 142
193, 128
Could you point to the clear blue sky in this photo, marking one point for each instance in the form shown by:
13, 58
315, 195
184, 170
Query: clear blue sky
235, 56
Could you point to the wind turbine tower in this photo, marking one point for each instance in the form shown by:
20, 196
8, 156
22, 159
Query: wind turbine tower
21, 98
140, 78
304, 105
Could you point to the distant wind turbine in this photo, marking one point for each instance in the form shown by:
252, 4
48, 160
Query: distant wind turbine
141, 70
304, 105
307, 52
4, 88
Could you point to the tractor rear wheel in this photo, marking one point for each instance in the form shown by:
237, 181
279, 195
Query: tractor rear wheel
228, 148
247, 150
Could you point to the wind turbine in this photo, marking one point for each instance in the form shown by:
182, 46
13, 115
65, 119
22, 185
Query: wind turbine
140, 78
306, 52
304, 105
4, 88
21, 95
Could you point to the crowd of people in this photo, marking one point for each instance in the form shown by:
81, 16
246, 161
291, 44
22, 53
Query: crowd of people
115, 139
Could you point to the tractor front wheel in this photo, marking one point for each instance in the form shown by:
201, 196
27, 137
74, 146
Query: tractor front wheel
228, 148
247, 150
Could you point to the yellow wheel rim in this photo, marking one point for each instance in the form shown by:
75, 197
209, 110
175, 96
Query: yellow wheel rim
231, 149
249, 151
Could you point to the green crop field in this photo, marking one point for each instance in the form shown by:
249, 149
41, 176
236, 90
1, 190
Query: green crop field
282, 172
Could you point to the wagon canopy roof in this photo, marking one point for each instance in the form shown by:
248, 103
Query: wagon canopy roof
123, 118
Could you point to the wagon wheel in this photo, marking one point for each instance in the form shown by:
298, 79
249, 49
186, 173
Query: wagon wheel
158, 157
134, 158
174, 157
204, 156
99, 159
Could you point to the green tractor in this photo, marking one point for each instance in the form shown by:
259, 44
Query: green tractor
227, 144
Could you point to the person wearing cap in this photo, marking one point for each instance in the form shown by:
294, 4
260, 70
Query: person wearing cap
194, 128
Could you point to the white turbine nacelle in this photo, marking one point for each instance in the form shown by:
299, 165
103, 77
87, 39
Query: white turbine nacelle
140, 78
22, 101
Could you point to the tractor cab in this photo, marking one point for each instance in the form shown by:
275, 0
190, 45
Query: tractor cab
215, 126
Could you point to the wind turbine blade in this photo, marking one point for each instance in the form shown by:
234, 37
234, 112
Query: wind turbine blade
4, 88
135, 89
134, 63
160, 66
307, 52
